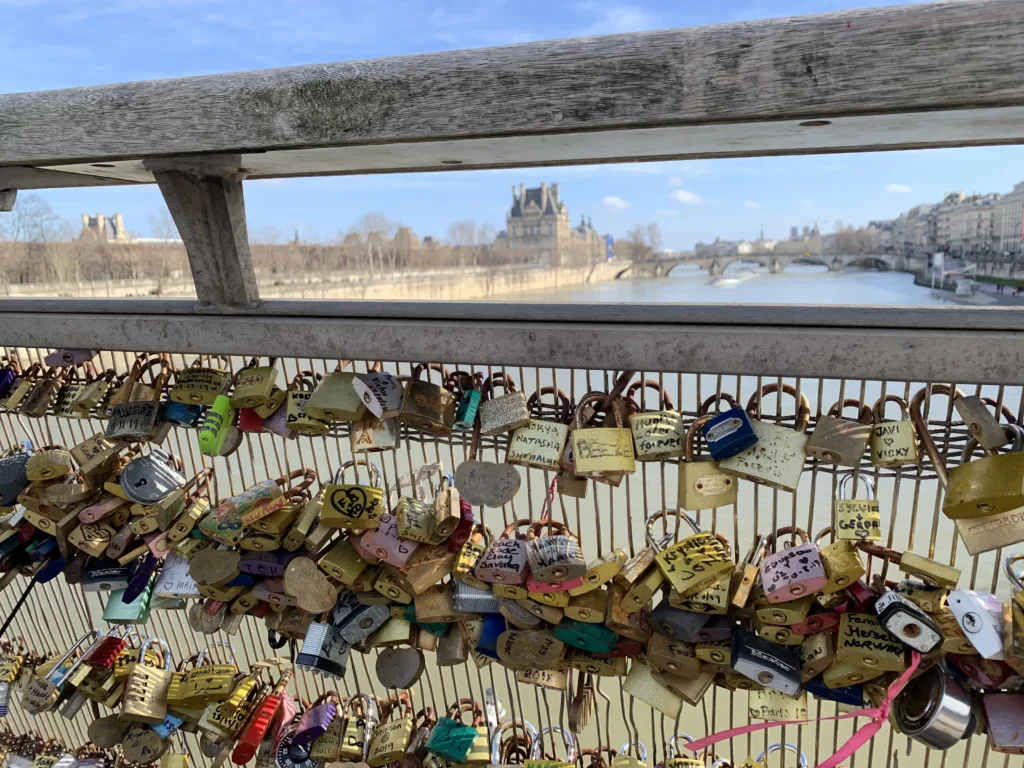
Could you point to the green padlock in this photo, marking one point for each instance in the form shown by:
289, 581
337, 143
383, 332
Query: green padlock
451, 740
215, 435
595, 638
135, 612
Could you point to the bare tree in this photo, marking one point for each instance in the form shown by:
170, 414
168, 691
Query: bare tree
642, 242
654, 236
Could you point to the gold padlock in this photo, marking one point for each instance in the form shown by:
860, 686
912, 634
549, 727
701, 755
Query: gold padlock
390, 739
817, 652
836, 440
343, 563
353, 507
672, 656
841, 562
428, 407
893, 443
145, 695
335, 399
702, 483
857, 519
590, 607
299, 393
199, 384
601, 571
864, 643
746, 574
254, 384
944, 575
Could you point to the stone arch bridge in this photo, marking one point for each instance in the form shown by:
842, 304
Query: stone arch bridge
773, 262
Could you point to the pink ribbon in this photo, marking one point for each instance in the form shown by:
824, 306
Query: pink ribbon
863, 735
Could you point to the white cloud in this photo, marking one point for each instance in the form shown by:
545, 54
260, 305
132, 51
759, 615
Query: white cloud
675, 181
751, 204
666, 212
615, 204
686, 197
896, 189
619, 18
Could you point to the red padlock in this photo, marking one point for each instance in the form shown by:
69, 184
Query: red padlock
259, 723
465, 527
107, 648
624, 647
820, 621
249, 420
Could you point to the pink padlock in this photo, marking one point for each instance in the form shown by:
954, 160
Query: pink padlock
249, 420
277, 423
794, 572
504, 562
101, 509
384, 543
554, 586
158, 544
465, 527
826, 621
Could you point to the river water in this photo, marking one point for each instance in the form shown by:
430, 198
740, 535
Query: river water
799, 284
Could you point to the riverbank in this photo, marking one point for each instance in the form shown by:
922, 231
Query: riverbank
460, 284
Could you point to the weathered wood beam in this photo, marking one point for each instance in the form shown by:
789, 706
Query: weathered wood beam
905, 348
204, 196
853, 80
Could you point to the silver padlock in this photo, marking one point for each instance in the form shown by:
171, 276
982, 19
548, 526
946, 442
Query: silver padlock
677, 623
363, 621
907, 623
452, 648
980, 616
151, 478
935, 710
469, 599
324, 651
778, 746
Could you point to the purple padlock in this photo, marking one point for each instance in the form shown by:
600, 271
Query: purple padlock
8, 375
316, 720
792, 573
267, 564
385, 544
277, 423
140, 579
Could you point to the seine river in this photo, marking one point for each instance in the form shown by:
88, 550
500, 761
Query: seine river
799, 284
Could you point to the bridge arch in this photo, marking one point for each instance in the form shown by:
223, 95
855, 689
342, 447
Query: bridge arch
717, 267
695, 267
870, 262
833, 265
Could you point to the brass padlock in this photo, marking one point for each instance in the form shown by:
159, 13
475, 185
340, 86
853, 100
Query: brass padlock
415, 520
864, 643
199, 384
590, 607
335, 399
986, 486
605, 452
657, 434
254, 384
672, 656
300, 392
342, 562
857, 519
47, 464
817, 652
601, 571
893, 443
777, 459
43, 392
915, 565
745, 576
353, 507
836, 440
145, 695
428, 407
702, 483
390, 739
694, 563
540, 442
841, 562
982, 425
426, 566
635, 625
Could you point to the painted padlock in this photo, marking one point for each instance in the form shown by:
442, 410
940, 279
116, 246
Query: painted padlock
505, 561
556, 556
354, 507
794, 572
385, 544
726, 433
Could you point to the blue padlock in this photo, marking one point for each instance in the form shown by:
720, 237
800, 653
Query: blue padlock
181, 414
728, 434
494, 625
469, 399
851, 694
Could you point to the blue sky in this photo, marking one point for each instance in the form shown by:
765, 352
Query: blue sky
58, 44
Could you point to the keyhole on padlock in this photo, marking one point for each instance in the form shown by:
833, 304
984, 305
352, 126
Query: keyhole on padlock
142, 481
765, 677
912, 630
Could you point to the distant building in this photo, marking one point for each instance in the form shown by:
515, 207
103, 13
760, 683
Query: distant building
807, 242
1009, 221
103, 228
539, 221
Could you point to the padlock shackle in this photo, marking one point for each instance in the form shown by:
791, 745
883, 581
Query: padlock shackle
514, 526
428, 367
1015, 431
754, 554
528, 729
555, 528
1017, 579
641, 750
878, 410
499, 379
597, 400
659, 544
862, 478
534, 406
689, 443
788, 529
373, 469
921, 424
803, 413
568, 737
96, 636
308, 476
167, 658
664, 403
864, 413
219, 644
778, 745
670, 748
447, 477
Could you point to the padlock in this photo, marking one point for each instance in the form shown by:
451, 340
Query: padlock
200, 384
935, 710
657, 434
47, 464
300, 392
390, 738
986, 486
982, 425
893, 443
324, 650
702, 484
218, 431
726, 433
254, 384
415, 520
42, 688
841, 441
857, 519
692, 564
1003, 713
980, 616
10, 369
260, 722
469, 555
335, 399
134, 412
370, 434
470, 599
601, 571
211, 682
765, 663
342, 562
781, 614
19, 387
384, 543
746, 573
541, 442
907, 623
777, 459
498, 415
817, 652
841, 561
145, 694
794, 572
353, 507
588, 637
864, 643
149, 479
428, 407
43, 392
555, 557
635, 625
945, 576
605, 452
